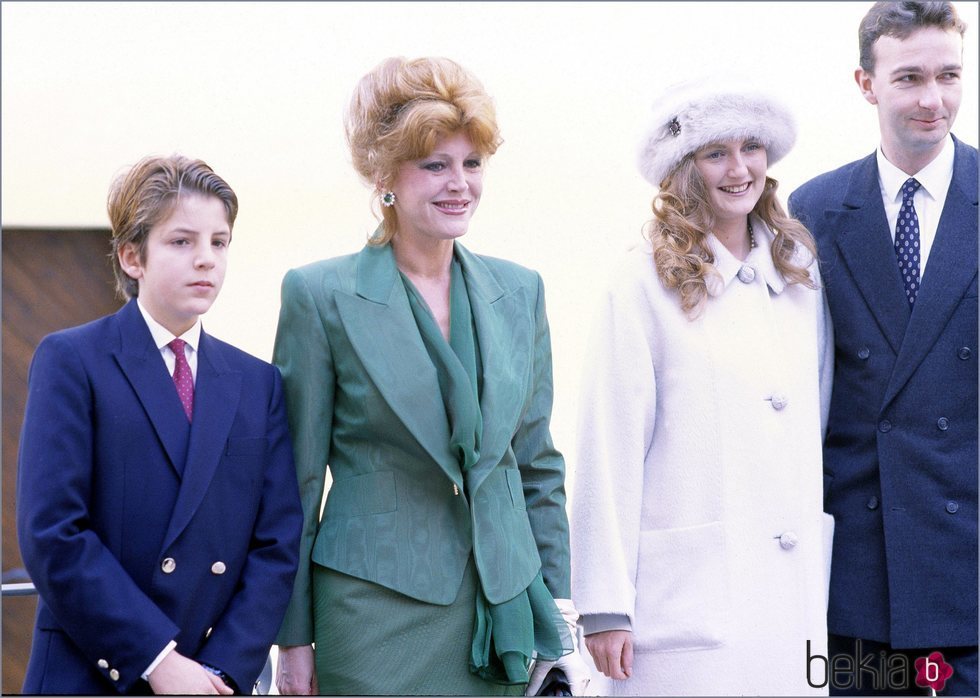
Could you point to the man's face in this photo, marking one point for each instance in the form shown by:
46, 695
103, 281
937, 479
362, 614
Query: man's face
916, 87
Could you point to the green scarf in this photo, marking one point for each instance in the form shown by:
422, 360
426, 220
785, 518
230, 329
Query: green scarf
505, 636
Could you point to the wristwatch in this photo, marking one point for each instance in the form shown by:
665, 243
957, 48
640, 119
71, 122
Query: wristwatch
229, 682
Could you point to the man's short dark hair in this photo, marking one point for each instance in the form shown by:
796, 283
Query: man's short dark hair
900, 20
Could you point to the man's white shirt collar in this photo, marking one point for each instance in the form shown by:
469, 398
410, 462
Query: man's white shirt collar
934, 177
162, 336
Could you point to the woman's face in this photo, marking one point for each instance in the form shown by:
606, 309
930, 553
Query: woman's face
734, 174
436, 196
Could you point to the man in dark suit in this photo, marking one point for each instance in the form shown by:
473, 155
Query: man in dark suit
897, 236
158, 511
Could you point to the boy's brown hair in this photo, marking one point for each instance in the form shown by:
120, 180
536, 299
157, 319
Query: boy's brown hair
147, 194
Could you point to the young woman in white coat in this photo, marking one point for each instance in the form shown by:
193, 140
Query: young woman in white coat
700, 549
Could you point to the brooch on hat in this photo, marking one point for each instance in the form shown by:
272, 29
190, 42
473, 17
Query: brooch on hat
675, 127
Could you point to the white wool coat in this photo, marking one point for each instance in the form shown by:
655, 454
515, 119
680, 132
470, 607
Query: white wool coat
697, 513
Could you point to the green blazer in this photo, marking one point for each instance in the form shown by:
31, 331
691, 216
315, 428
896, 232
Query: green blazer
363, 397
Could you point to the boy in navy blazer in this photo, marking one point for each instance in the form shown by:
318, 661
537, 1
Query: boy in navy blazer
158, 512
897, 235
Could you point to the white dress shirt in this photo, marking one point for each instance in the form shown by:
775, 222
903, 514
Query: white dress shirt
162, 337
929, 200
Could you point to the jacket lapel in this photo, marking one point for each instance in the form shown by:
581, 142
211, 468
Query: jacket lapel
951, 268
217, 392
382, 330
140, 361
503, 328
866, 247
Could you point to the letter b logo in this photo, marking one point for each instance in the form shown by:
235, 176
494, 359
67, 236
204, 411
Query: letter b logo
809, 662
932, 671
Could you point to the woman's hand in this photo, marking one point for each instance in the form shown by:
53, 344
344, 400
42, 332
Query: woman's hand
296, 672
573, 665
612, 652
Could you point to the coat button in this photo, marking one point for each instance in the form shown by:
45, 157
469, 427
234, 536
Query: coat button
788, 540
168, 565
864, 353
207, 633
114, 674
746, 274
884, 426
103, 664
873, 503
942, 423
218, 568
779, 401
952, 507
964, 353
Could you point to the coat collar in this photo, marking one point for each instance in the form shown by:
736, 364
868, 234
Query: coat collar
760, 259
377, 274
505, 335
379, 323
382, 330
141, 362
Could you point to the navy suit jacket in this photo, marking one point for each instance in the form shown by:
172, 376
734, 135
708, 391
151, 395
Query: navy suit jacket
138, 528
900, 456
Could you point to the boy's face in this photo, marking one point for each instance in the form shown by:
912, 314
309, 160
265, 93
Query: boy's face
186, 256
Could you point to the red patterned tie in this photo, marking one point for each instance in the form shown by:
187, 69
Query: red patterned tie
182, 377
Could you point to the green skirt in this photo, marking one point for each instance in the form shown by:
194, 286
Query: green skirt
371, 640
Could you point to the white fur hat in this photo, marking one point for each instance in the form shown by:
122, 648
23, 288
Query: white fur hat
693, 114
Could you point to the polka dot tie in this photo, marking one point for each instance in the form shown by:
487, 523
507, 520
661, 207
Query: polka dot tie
907, 240
182, 377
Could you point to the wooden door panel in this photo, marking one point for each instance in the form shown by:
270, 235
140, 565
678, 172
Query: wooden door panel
52, 279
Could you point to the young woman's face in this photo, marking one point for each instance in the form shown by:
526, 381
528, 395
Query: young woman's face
436, 196
734, 174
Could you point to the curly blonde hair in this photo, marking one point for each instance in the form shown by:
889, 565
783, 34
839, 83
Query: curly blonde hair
682, 219
401, 109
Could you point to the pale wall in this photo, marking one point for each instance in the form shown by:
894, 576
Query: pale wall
258, 90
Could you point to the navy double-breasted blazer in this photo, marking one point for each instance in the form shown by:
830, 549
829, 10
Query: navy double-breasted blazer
900, 456
138, 528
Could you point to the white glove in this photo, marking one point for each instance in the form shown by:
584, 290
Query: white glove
576, 670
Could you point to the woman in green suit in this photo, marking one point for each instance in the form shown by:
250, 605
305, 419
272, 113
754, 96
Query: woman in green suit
420, 374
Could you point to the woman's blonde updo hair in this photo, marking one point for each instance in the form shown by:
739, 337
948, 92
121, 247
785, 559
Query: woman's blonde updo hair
679, 234
402, 108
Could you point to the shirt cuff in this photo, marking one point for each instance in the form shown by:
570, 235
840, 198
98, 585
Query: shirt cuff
166, 650
602, 622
